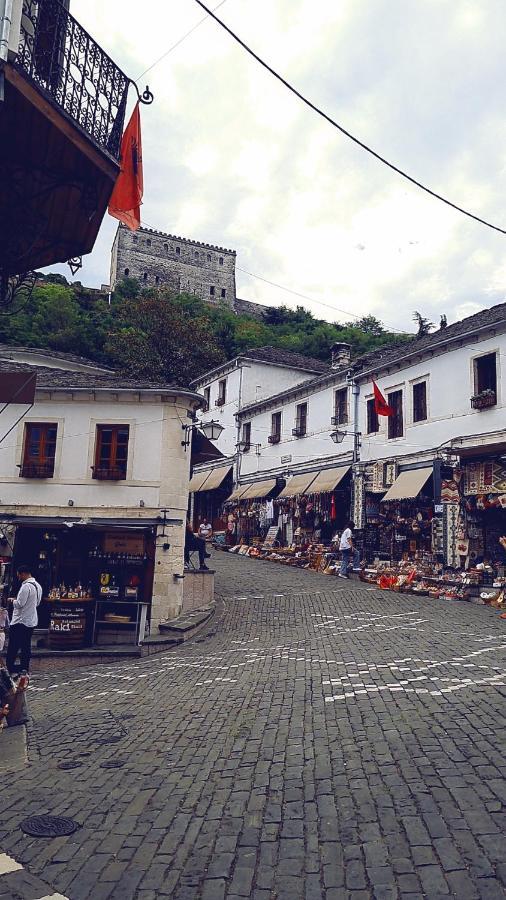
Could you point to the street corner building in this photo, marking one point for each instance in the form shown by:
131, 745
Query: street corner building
95, 474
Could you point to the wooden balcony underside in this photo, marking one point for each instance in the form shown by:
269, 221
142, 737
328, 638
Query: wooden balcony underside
55, 182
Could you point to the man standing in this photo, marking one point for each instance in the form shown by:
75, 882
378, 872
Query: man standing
347, 548
24, 620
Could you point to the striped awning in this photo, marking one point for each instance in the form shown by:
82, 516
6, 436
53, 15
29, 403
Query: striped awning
198, 480
299, 484
216, 476
328, 479
237, 493
408, 484
259, 489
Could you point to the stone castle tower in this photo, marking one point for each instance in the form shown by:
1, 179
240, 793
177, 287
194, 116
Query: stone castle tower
158, 259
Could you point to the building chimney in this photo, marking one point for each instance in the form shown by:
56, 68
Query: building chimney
341, 355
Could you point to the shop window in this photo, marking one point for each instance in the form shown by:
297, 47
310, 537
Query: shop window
246, 437
111, 452
372, 417
39, 450
420, 401
395, 421
300, 421
222, 392
485, 378
207, 396
275, 435
340, 407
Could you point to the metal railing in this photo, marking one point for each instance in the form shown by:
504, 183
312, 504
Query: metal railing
68, 66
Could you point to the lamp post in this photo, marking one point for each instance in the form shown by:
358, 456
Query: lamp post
338, 437
210, 430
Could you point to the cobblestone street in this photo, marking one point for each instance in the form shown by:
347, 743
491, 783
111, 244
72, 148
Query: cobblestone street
322, 740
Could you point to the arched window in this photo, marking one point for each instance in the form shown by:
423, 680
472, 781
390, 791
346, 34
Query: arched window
166, 247
145, 276
148, 242
127, 273
221, 260
178, 251
209, 257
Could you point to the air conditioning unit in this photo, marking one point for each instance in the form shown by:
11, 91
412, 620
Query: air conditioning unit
220, 401
274, 438
298, 431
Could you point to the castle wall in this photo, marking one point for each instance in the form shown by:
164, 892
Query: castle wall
162, 260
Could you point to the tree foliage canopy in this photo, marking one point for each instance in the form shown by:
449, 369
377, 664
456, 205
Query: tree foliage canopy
154, 334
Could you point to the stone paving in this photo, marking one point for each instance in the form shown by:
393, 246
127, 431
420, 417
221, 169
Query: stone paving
323, 741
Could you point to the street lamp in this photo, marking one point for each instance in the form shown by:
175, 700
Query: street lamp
338, 437
211, 430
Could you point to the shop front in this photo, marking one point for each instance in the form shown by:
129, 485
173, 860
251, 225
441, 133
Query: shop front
97, 581
209, 489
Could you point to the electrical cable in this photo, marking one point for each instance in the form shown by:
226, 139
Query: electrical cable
180, 41
343, 130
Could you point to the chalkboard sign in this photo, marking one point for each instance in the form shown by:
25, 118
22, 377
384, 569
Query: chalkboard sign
67, 626
271, 536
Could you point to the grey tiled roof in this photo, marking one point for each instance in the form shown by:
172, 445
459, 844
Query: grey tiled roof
272, 356
8, 349
62, 379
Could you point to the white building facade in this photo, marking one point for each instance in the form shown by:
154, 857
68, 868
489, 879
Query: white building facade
97, 458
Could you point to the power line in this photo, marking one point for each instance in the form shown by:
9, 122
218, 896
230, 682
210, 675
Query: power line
311, 299
180, 41
340, 128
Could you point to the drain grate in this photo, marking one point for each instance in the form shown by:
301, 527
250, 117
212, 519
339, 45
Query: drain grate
70, 764
48, 826
112, 764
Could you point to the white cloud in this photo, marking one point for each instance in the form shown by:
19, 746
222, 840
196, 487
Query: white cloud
231, 157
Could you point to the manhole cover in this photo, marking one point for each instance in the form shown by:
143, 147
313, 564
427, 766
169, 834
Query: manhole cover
70, 764
112, 764
48, 826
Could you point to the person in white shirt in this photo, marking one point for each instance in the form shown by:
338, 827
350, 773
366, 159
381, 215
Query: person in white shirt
205, 530
24, 620
348, 549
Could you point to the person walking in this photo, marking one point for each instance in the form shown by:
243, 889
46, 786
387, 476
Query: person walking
24, 620
348, 550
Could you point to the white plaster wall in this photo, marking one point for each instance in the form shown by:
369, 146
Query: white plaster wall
72, 480
316, 445
245, 384
449, 389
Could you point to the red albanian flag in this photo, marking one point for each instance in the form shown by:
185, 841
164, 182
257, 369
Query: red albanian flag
126, 197
380, 404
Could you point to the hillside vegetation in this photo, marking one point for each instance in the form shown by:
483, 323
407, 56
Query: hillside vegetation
154, 334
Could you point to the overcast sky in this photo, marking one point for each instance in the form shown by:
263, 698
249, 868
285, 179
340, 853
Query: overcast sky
231, 158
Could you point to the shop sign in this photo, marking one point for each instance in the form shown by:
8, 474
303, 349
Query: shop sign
124, 543
438, 508
286, 459
67, 619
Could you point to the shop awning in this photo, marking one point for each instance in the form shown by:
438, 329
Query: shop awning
215, 478
237, 493
259, 489
197, 482
408, 484
328, 479
298, 484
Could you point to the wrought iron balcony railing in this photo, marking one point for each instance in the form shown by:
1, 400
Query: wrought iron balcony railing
69, 67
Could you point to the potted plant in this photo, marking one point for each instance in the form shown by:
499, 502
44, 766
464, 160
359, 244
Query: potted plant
484, 399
